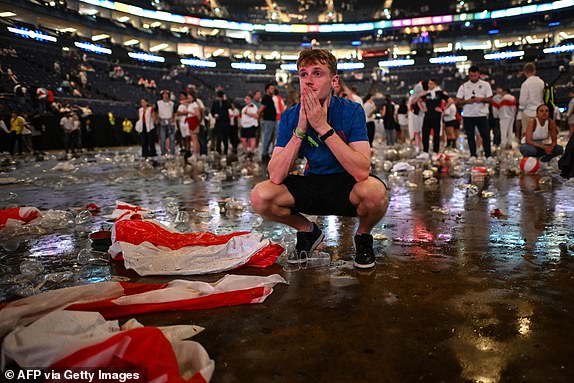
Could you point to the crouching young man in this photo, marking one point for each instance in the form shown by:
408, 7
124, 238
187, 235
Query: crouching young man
331, 133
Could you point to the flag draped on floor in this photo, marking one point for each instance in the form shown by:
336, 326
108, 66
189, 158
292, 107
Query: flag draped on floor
150, 248
67, 327
71, 339
119, 299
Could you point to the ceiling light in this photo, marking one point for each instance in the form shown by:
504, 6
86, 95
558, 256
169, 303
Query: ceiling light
100, 37
158, 47
123, 19
7, 14
131, 42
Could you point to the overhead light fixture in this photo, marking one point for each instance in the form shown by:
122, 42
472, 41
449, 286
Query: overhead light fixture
158, 47
100, 37
290, 67
560, 49
36, 35
396, 63
249, 66
146, 57
123, 19
218, 52
68, 30
7, 14
447, 59
503, 55
350, 66
88, 12
131, 42
198, 63
155, 24
93, 48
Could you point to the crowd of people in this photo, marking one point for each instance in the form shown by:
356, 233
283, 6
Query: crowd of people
222, 126
335, 129
430, 118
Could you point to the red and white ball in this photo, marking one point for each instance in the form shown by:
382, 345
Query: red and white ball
529, 165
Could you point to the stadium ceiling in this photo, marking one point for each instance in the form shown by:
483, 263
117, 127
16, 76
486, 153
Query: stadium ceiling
330, 27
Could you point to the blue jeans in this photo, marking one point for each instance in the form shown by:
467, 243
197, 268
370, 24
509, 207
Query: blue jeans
268, 132
483, 128
166, 128
528, 150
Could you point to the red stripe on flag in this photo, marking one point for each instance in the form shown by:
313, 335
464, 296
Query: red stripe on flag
137, 231
229, 298
145, 347
265, 257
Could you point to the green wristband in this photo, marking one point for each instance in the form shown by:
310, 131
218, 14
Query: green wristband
300, 134
313, 142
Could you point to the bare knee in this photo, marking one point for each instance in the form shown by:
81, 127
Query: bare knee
261, 197
371, 196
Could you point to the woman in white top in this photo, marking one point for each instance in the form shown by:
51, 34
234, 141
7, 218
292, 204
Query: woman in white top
181, 115
451, 123
248, 123
193, 121
541, 136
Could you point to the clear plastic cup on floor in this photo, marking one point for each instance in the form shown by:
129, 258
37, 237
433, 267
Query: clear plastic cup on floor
294, 260
318, 259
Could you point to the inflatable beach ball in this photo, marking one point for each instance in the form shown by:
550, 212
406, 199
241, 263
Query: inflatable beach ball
529, 165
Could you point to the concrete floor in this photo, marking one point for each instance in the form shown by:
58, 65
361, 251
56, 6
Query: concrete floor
458, 294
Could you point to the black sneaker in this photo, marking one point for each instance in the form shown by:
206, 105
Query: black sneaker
365, 256
307, 242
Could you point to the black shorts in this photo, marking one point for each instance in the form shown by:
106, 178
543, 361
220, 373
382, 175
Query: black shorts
323, 194
454, 123
249, 132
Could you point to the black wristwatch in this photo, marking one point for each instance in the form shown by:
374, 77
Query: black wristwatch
327, 135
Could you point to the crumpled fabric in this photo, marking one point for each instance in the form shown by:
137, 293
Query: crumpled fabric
18, 215
68, 339
121, 299
150, 248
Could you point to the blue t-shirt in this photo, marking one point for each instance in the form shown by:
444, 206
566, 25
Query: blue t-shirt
345, 116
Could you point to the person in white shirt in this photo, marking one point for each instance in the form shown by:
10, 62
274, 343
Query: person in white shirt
145, 126
71, 133
193, 122
531, 95
540, 138
249, 122
475, 95
416, 113
506, 111
166, 119
181, 118
370, 108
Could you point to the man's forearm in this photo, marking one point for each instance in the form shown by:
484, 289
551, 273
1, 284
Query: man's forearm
282, 160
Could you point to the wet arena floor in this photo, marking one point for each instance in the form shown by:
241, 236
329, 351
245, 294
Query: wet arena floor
462, 292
